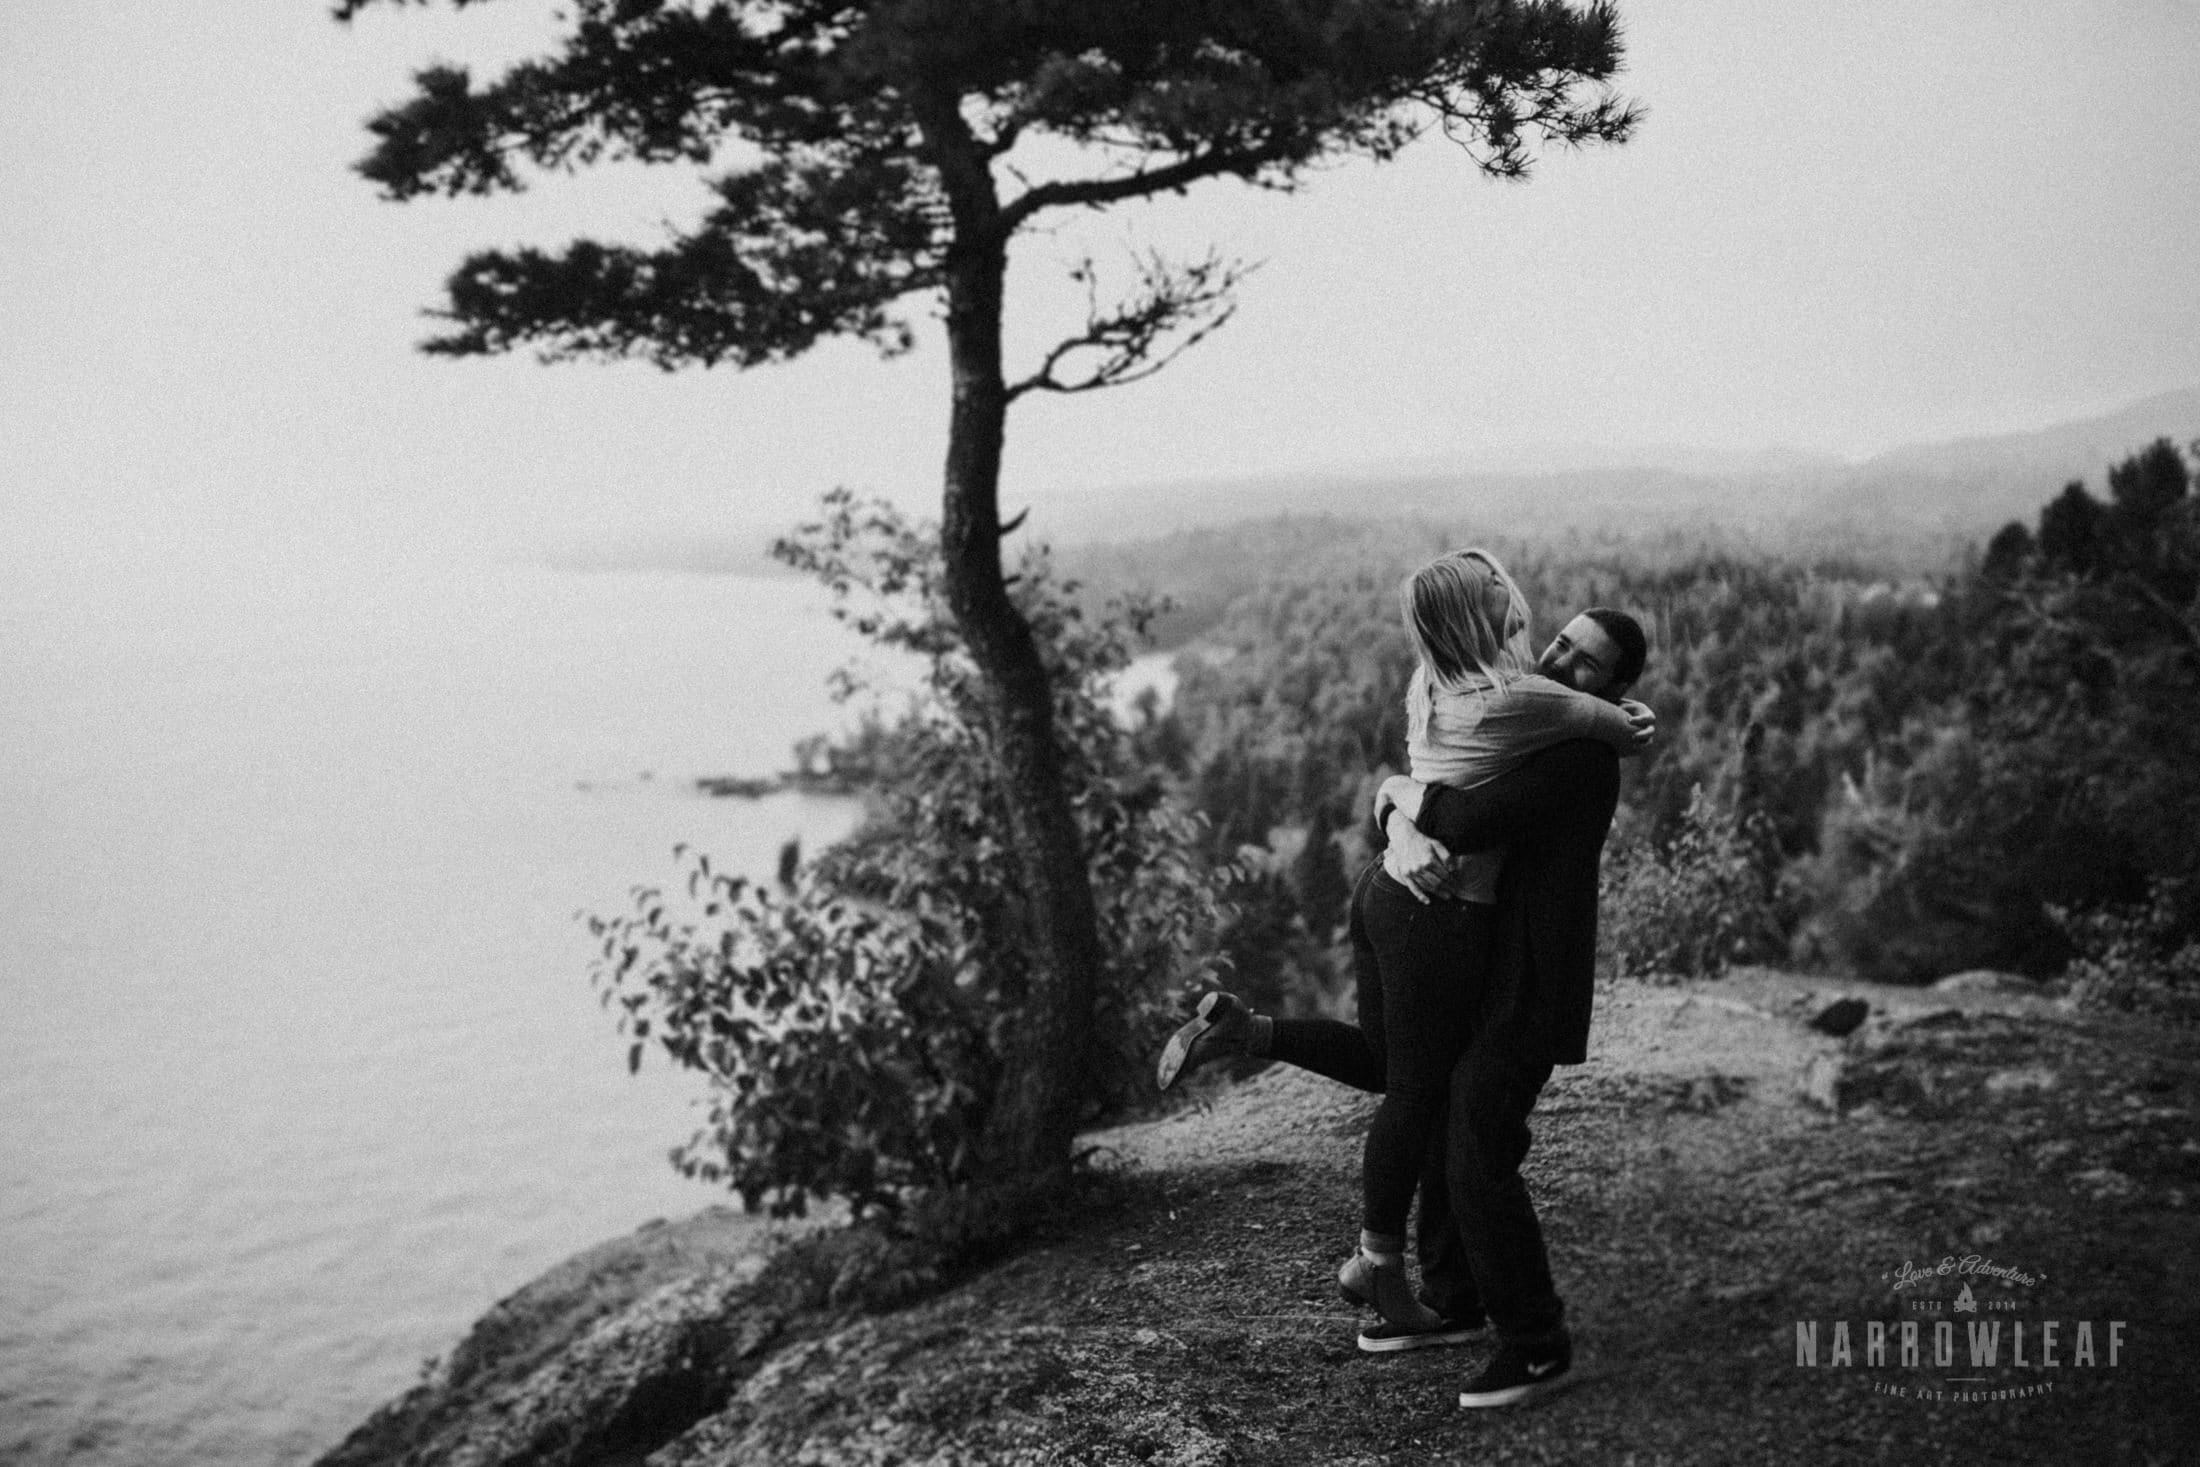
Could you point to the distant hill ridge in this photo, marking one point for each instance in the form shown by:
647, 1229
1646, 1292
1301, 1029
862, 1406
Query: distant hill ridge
1924, 499
1962, 489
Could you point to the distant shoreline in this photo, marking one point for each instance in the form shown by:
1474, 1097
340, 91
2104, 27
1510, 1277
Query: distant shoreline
793, 781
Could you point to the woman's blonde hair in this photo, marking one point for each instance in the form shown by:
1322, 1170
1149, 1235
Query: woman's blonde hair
1466, 618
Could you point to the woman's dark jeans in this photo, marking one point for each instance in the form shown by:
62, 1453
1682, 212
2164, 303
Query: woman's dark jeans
1418, 967
1421, 978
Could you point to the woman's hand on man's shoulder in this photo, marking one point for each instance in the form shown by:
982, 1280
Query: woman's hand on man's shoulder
1643, 720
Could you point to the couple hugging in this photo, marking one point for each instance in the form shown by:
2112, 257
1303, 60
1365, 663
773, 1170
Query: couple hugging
1473, 946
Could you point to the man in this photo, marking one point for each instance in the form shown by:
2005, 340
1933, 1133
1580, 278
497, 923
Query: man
1551, 815
1480, 1243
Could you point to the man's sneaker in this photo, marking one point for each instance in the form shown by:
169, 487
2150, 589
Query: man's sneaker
1517, 1373
1220, 1027
1381, 1339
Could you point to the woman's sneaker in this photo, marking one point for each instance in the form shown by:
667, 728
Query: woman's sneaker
1518, 1372
1381, 1339
1220, 1028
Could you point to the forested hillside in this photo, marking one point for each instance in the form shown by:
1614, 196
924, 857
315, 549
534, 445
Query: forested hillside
1861, 767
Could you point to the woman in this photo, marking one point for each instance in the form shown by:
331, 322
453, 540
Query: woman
1474, 710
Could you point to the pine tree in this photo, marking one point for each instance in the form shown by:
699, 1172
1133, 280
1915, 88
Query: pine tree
864, 158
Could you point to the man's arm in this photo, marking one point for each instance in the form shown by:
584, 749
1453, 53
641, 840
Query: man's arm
1400, 793
1515, 808
1413, 860
1627, 726
1422, 866
1422, 825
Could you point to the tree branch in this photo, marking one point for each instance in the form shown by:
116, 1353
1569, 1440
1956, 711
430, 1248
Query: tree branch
2171, 613
652, 82
1194, 300
1243, 162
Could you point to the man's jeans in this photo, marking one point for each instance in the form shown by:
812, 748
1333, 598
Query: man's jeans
1478, 1236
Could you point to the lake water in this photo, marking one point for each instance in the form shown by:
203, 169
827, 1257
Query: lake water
300, 1068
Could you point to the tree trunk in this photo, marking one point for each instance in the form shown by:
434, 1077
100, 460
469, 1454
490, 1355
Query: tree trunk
1044, 1079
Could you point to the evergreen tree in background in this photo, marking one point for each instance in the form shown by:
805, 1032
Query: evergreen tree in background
2070, 531
1319, 877
868, 159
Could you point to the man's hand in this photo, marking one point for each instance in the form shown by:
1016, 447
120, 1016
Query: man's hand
1400, 792
1643, 720
1414, 861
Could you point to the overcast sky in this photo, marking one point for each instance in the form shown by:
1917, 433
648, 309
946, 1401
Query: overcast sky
1841, 228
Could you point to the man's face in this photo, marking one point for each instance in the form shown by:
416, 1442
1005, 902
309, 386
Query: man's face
1583, 656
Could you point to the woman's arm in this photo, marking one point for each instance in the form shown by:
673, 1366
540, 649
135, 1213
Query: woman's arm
1541, 711
1644, 720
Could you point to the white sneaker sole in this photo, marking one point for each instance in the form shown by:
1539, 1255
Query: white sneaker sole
1514, 1395
1429, 1339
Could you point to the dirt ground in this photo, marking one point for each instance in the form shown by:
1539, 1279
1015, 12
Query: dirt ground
1716, 1175
1700, 1203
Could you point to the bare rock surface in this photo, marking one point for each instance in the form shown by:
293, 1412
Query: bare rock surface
589, 1358
1842, 1017
1989, 980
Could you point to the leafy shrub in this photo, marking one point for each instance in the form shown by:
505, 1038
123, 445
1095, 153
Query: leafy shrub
1922, 866
1278, 957
852, 1024
2137, 958
1693, 904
